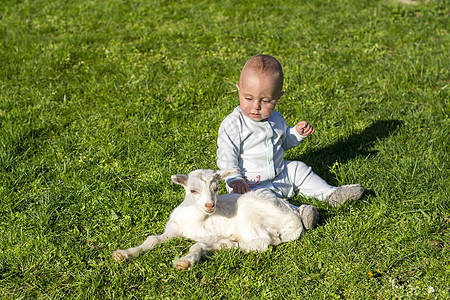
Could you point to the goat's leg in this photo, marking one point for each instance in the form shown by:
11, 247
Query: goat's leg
196, 253
258, 245
130, 253
225, 244
151, 242
292, 232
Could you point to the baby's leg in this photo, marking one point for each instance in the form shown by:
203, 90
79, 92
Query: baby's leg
310, 184
306, 181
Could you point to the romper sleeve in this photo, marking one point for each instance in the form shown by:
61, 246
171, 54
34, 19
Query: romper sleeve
228, 147
293, 138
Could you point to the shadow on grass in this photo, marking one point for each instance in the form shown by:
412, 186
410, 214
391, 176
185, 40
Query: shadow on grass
344, 150
356, 145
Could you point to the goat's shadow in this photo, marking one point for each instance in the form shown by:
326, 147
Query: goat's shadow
344, 150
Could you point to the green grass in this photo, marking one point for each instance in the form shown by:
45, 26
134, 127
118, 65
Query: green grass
101, 101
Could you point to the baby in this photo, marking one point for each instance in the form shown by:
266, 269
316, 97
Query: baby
253, 138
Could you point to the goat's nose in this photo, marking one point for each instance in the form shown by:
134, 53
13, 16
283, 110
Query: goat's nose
209, 205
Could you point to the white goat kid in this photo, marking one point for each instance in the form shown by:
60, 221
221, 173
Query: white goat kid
252, 221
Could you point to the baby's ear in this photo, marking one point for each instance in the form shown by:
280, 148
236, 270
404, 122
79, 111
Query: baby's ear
237, 86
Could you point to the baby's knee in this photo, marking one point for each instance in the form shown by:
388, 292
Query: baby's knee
297, 167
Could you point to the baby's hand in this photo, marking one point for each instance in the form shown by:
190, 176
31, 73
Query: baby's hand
303, 128
239, 186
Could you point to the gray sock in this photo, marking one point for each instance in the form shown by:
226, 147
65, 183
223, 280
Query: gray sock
343, 193
309, 216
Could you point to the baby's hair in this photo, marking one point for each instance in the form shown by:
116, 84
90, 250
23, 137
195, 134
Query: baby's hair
264, 64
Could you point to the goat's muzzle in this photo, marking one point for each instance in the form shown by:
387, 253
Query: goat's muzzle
209, 208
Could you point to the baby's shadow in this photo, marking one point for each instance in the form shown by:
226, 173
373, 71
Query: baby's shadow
344, 150
356, 145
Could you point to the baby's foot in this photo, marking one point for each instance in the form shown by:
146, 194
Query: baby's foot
309, 216
343, 193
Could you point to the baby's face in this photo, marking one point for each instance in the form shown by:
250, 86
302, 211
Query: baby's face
258, 95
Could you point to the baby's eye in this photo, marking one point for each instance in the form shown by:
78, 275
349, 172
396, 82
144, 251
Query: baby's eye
268, 101
249, 99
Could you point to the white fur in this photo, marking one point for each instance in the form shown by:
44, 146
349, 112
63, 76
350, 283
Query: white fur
252, 221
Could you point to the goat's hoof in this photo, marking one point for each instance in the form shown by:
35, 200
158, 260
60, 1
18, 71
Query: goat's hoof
182, 264
119, 255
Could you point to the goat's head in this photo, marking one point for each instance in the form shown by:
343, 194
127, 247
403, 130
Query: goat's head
202, 186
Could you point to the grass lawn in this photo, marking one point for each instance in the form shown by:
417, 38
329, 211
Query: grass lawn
101, 101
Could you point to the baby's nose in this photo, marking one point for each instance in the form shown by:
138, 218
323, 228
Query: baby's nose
256, 104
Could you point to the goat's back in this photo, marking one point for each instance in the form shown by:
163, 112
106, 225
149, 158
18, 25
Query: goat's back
246, 217
261, 214
272, 211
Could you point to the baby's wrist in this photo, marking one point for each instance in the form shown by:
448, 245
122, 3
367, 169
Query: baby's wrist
234, 179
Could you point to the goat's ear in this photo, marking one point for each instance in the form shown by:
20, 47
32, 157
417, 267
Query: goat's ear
179, 179
222, 174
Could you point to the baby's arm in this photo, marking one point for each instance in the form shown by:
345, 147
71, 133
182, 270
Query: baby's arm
304, 128
228, 144
296, 134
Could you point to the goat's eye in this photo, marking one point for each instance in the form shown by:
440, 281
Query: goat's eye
194, 191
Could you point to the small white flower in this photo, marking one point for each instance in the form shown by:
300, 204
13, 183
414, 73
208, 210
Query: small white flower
430, 290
